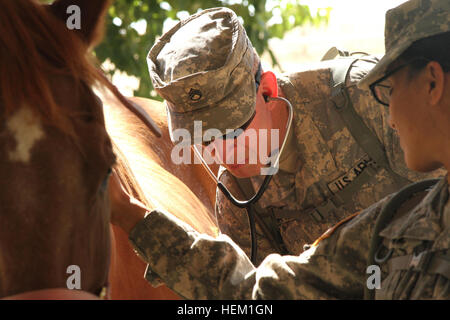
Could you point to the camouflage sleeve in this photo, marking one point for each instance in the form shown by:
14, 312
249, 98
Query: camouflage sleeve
194, 265
197, 266
334, 268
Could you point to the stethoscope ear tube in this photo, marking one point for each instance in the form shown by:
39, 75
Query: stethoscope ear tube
243, 204
247, 204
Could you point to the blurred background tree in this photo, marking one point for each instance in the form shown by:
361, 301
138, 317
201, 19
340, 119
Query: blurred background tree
132, 26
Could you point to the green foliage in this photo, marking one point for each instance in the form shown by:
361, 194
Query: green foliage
127, 49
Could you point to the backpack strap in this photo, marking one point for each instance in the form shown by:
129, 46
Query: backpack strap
385, 216
330, 207
334, 52
431, 262
365, 138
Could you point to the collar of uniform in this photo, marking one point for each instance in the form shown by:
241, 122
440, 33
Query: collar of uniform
446, 215
289, 158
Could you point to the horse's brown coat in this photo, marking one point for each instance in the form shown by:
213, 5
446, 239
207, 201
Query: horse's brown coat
55, 152
53, 204
184, 190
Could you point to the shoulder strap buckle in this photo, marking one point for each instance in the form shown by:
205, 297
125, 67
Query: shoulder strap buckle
339, 96
419, 261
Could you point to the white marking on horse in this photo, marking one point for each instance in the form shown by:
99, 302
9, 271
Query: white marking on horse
27, 130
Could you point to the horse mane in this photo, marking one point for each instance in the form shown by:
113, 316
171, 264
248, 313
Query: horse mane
35, 48
92, 19
143, 163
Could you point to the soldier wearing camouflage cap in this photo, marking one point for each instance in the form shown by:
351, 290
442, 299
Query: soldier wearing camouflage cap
334, 163
405, 236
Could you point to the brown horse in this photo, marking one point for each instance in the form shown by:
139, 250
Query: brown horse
147, 171
55, 154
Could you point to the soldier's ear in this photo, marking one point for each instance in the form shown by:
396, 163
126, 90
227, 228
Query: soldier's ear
435, 82
91, 14
268, 85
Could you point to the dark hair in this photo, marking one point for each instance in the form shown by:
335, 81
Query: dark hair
434, 48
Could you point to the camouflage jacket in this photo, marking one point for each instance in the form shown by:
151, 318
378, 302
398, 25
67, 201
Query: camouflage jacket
197, 266
320, 161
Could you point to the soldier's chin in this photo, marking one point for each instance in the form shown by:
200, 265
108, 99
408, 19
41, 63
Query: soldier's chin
242, 170
422, 166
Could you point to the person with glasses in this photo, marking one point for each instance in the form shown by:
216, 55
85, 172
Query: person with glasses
398, 248
217, 94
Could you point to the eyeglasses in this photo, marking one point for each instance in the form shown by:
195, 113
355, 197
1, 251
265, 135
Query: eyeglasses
382, 89
233, 134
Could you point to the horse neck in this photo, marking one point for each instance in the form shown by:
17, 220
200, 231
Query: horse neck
146, 168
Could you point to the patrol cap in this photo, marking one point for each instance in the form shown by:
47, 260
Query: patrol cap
204, 68
405, 24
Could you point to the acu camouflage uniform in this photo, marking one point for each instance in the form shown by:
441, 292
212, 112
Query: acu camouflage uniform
197, 266
417, 238
316, 185
202, 67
